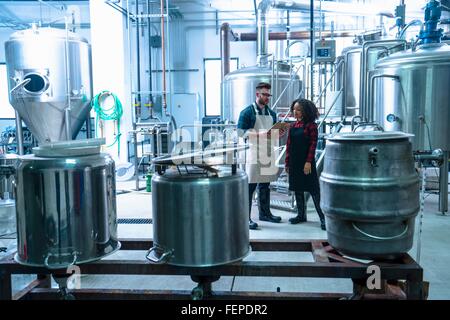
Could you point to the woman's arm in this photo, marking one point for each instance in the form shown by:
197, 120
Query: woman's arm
313, 135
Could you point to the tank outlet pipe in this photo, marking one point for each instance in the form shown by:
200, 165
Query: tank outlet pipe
433, 158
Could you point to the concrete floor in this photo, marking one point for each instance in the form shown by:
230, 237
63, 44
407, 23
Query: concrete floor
435, 253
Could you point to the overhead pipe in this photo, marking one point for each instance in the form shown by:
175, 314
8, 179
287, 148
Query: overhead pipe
296, 35
263, 25
163, 59
150, 80
225, 34
137, 100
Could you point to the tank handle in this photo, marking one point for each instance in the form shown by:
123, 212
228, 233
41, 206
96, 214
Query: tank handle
60, 265
162, 259
381, 238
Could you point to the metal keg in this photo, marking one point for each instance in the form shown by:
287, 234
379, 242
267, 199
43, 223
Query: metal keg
370, 194
66, 206
200, 218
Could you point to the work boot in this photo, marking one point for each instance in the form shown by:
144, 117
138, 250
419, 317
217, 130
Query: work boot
301, 208
252, 225
316, 200
264, 206
322, 224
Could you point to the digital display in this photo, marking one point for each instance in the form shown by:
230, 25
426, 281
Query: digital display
323, 52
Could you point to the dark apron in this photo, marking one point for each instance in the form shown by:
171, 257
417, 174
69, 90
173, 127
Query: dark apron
298, 151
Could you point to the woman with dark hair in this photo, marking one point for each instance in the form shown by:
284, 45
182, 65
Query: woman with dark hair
300, 161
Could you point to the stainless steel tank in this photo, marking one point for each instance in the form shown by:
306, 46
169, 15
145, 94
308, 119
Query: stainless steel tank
238, 88
66, 207
56, 64
358, 61
411, 94
7, 217
351, 79
370, 194
6, 183
200, 220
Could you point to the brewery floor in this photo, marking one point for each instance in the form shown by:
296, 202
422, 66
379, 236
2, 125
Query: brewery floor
434, 256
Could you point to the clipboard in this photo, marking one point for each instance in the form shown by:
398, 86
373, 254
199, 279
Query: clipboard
280, 126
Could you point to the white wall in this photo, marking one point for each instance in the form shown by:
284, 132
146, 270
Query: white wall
110, 66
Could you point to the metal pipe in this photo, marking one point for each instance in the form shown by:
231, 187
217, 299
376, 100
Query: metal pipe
331, 107
329, 81
262, 32
311, 36
225, 49
297, 35
372, 85
137, 102
169, 55
68, 125
150, 80
158, 141
263, 25
19, 134
412, 23
163, 58
133, 114
367, 46
443, 184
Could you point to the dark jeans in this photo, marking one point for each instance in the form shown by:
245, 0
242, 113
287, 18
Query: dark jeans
263, 199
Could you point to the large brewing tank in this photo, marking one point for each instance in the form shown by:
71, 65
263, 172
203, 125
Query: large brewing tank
239, 87
200, 220
42, 56
350, 79
370, 194
66, 206
358, 61
411, 94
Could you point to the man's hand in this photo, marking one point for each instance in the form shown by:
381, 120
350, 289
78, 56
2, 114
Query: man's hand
307, 168
286, 169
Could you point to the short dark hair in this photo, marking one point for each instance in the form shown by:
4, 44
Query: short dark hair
309, 109
263, 85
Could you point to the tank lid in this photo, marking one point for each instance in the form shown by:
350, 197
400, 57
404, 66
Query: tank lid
424, 54
370, 136
256, 71
45, 32
210, 157
72, 148
9, 156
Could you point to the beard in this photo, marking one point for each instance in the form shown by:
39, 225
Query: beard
261, 101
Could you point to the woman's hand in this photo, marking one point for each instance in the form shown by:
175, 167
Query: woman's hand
307, 168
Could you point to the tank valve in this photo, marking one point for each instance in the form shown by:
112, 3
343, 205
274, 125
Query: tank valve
373, 153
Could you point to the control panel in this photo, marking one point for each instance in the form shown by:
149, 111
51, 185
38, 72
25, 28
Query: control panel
325, 51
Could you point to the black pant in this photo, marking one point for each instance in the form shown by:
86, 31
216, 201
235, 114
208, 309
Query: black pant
263, 199
301, 208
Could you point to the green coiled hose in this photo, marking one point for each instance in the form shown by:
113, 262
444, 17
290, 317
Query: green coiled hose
113, 113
